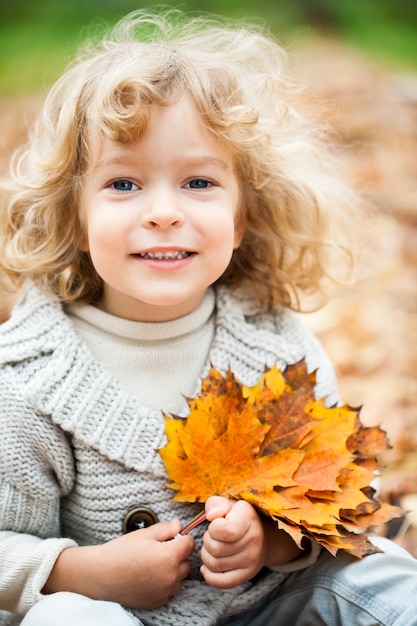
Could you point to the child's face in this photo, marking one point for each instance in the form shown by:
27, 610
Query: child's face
161, 217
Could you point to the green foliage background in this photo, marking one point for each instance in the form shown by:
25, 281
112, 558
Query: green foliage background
37, 37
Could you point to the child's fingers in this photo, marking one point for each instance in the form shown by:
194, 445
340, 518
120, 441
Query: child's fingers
183, 546
223, 580
162, 531
235, 524
217, 506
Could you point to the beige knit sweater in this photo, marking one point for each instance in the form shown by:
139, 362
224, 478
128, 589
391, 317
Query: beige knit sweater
77, 450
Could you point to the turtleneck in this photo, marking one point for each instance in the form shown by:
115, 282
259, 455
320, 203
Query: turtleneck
158, 362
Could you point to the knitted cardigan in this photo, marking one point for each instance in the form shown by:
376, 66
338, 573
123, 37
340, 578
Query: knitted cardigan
77, 452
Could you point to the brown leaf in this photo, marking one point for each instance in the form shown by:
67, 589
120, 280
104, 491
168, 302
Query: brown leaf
367, 442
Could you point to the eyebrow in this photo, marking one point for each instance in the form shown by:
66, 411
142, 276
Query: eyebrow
105, 162
207, 160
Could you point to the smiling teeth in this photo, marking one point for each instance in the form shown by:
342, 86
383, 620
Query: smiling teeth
174, 254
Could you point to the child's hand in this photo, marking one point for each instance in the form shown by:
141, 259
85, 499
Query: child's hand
146, 568
238, 543
234, 543
142, 569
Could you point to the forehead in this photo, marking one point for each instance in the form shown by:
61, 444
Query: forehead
175, 131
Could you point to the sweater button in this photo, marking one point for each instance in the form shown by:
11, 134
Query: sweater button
139, 517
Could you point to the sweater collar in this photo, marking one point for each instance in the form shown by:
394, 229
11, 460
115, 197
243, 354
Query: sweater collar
146, 331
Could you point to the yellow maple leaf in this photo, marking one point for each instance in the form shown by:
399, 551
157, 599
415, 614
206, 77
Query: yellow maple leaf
307, 466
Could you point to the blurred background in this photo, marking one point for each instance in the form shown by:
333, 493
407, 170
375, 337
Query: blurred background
359, 60
36, 38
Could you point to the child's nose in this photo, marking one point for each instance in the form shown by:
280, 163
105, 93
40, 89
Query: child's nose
162, 210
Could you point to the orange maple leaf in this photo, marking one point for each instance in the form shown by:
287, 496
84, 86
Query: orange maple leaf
307, 466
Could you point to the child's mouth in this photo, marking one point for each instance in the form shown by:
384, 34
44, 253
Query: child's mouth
165, 256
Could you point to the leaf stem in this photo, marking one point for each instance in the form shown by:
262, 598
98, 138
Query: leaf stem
193, 523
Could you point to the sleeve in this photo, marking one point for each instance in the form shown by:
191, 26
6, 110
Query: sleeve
36, 471
326, 382
291, 326
301, 563
26, 562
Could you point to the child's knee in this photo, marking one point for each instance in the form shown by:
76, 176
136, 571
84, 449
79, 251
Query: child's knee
66, 609
47, 610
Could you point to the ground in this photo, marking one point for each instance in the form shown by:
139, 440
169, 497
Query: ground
369, 330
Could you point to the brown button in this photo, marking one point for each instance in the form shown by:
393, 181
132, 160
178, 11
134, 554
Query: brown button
139, 517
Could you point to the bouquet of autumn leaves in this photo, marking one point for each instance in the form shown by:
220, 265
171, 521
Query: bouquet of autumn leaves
307, 466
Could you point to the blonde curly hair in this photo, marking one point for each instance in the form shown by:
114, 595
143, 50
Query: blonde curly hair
297, 211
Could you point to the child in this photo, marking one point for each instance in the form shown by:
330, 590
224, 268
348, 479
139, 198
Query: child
171, 209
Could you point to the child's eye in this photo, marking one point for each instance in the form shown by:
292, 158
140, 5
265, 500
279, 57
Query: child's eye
198, 183
123, 185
